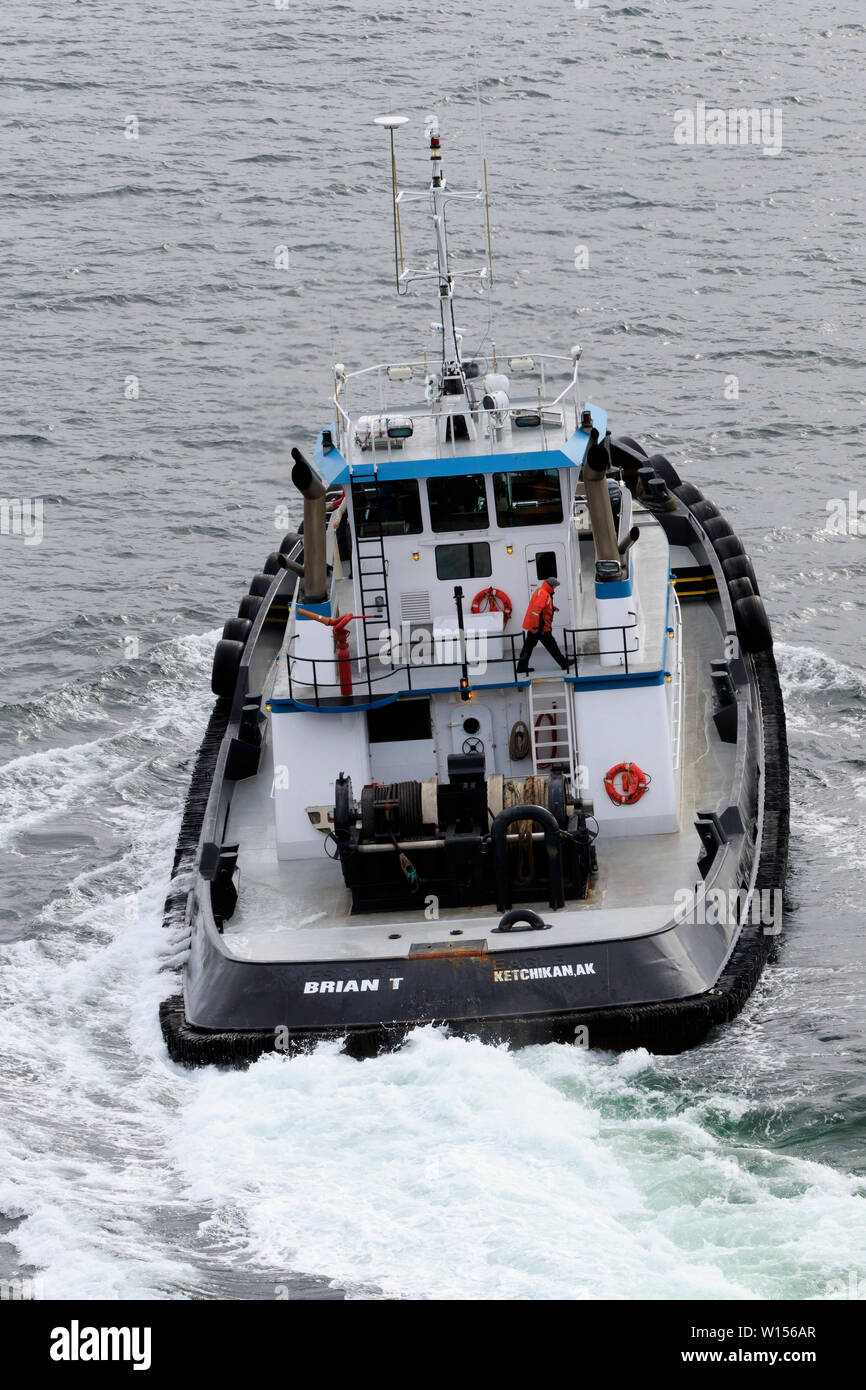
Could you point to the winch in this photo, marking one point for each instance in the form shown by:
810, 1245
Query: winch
469, 841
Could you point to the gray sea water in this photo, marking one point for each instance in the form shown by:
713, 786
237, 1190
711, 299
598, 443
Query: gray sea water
156, 367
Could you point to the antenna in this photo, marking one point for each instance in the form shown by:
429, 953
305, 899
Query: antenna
392, 123
482, 149
453, 379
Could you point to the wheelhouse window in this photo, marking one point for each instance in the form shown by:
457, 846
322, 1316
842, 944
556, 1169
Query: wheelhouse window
467, 561
393, 504
458, 503
531, 498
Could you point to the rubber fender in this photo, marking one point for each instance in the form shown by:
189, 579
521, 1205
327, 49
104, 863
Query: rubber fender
753, 625
226, 664
704, 510
740, 588
665, 469
740, 567
249, 606
237, 629
727, 546
689, 494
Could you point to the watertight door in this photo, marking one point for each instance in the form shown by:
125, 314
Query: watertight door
544, 560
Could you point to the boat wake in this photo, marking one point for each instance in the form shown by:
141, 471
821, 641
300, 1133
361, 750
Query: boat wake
449, 1169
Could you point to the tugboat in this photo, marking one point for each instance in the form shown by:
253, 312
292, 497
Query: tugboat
498, 742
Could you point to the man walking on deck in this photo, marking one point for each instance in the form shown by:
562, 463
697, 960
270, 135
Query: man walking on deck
537, 625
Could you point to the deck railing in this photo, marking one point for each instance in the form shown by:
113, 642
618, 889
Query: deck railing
377, 678
435, 414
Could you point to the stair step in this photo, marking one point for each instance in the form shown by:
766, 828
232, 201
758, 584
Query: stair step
553, 743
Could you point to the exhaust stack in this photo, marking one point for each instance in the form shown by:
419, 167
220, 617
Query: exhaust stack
312, 489
614, 602
628, 541
600, 510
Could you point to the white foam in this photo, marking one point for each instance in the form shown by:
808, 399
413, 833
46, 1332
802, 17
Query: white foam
805, 671
825, 705
455, 1170
446, 1170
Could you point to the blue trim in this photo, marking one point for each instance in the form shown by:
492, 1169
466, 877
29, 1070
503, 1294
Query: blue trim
331, 465
286, 706
599, 420
280, 705
324, 608
614, 588
335, 469
614, 682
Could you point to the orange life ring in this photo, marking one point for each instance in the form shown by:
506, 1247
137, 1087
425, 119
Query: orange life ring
492, 601
632, 787
551, 748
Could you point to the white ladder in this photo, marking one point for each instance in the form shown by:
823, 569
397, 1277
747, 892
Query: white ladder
552, 726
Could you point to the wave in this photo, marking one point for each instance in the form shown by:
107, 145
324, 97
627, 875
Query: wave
811, 678
448, 1170
41, 787
458, 1170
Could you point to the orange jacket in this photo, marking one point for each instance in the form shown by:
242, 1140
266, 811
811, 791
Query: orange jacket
540, 610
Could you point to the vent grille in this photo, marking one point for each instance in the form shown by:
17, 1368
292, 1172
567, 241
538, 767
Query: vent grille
415, 606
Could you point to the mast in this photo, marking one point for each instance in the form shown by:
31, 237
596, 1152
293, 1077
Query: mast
451, 383
438, 185
453, 379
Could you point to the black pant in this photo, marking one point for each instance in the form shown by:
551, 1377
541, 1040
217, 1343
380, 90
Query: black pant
548, 641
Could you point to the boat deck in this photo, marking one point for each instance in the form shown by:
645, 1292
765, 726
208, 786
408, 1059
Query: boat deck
426, 443
307, 904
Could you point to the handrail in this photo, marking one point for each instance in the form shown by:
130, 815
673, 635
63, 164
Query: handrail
363, 674
423, 409
678, 676
353, 451
500, 357
437, 410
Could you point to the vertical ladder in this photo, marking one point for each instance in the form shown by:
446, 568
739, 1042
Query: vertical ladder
551, 721
370, 549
